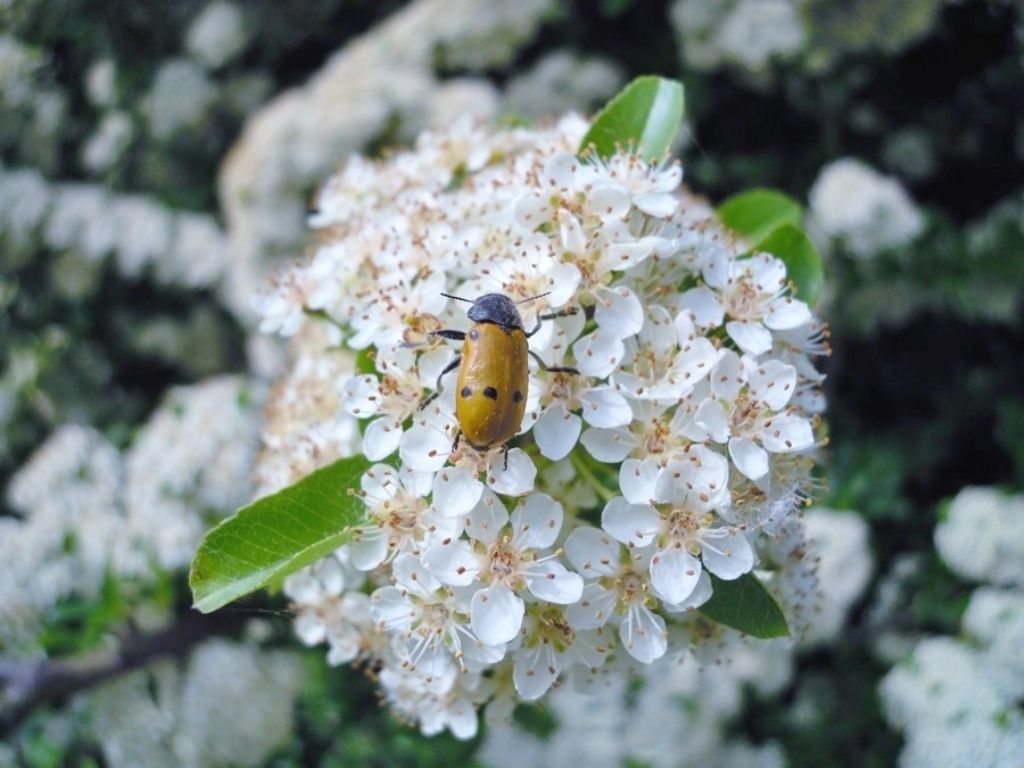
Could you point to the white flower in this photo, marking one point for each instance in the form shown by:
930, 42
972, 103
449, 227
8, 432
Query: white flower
400, 519
506, 564
744, 410
982, 537
445, 702
432, 621
681, 527
749, 295
868, 211
549, 645
621, 593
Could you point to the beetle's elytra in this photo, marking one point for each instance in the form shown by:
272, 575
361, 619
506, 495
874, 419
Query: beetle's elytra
490, 399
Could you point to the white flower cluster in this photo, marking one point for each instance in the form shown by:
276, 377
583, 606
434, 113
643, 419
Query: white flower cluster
678, 713
690, 413
68, 494
982, 536
88, 509
866, 211
747, 33
184, 249
958, 699
232, 705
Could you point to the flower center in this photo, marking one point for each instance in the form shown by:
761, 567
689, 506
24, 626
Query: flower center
504, 562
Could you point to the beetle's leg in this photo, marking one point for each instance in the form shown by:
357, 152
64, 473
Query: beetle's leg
446, 334
505, 452
551, 316
437, 387
458, 437
551, 368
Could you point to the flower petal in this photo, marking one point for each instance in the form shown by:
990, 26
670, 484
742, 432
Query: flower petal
551, 581
391, 609
556, 431
674, 573
726, 553
424, 448
368, 548
487, 518
638, 479
643, 634
705, 305
786, 312
456, 491
496, 614
752, 338
594, 608
454, 562
773, 383
635, 524
604, 407
534, 671
536, 522
618, 311
515, 478
727, 376
787, 434
712, 418
411, 574
749, 457
381, 438
598, 353
609, 445
593, 552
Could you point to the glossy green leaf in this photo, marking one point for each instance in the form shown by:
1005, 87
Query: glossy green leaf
277, 535
755, 213
803, 264
746, 605
645, 117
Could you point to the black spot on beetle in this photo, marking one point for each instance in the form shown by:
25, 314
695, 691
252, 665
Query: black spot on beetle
517, 396
491, 392
474, 334
466, 391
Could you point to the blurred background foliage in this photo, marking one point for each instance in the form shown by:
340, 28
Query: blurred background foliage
924, 388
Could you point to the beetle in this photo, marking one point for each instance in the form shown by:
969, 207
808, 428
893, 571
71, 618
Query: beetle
493, 370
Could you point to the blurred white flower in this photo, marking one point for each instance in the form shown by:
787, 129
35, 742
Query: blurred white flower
867, 211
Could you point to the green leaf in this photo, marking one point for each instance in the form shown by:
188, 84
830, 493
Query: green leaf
755, 213
746, 605
645, 116
277, 535
803, 264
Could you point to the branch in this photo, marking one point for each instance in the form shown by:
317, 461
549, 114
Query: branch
25, 686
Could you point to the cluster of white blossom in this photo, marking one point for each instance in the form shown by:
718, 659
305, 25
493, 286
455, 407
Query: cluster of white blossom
87, 509
683, 440
92, 223
958, 698
231, 705
384, 77
868, 212
678, 714
747, 33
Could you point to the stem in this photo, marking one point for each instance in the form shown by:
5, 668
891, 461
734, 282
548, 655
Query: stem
27, 685
581, 466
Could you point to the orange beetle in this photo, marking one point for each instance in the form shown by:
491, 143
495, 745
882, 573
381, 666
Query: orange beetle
493, 370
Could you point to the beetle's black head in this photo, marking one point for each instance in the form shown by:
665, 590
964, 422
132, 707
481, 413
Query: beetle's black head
496, 308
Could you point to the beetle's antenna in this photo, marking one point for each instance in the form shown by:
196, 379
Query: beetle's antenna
532, 298
458, 298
